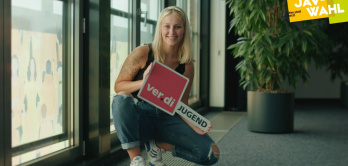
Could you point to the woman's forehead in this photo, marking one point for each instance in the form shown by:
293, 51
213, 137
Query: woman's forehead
172, 18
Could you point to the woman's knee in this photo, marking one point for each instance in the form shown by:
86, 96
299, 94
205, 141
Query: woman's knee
123, 101
215, 150
121, 97
212, 157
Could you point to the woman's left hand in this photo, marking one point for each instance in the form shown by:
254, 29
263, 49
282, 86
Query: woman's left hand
200, 131
195, 128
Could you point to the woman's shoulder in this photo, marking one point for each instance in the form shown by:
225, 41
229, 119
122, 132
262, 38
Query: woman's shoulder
189, 65
139, 55
141, 51
189, 68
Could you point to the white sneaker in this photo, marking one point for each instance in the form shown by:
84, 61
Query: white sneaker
154, 154
138, 161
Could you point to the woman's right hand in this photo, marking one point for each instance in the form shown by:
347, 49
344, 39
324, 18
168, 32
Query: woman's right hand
147, 71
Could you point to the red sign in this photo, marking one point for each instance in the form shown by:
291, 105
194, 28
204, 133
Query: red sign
163, 87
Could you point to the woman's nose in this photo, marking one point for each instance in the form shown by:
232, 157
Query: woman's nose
172, 30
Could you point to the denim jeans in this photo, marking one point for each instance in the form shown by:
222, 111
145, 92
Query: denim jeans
137, 122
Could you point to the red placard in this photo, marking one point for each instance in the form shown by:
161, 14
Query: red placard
163, 87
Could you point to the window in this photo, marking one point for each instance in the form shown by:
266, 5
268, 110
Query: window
192, 10
122, 32
120, 42
149, 16
42, 75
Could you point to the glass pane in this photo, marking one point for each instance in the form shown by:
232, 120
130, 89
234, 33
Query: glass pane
119, 43
192, 10
122, 5
150, 13
42, 151
37, 74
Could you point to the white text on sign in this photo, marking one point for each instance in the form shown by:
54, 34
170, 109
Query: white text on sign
169, 101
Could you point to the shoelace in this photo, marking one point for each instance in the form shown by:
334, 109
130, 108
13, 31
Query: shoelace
156, 154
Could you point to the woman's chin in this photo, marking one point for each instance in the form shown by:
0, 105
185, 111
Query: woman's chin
171, 44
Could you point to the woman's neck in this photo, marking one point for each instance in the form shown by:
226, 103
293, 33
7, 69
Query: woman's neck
171, 52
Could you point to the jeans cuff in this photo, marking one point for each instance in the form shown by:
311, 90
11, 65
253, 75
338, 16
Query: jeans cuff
130, 145
174, 151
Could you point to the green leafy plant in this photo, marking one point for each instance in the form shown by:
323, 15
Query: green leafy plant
273, 50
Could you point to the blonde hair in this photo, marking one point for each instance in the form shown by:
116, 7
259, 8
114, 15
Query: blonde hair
185, 48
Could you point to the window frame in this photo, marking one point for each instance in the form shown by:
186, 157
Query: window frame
96, 78
196, 48
126, 15
74, 88
5, 82
134, 41
34, 145
115, 144
70, 153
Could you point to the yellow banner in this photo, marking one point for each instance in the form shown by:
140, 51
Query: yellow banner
301, 10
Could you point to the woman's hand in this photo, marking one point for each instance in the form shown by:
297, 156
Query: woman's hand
147, 71
200, 131
195, 128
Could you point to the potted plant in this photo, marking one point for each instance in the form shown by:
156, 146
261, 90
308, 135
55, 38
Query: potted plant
274, 53
338, 58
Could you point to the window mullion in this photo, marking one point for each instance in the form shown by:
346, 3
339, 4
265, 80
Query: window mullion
136, 10
6, 82
2, 107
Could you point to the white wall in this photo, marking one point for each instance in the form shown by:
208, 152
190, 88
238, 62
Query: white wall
217, 53
319, 86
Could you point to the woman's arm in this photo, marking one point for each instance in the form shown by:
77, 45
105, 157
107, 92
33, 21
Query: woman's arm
134, 62
189, 73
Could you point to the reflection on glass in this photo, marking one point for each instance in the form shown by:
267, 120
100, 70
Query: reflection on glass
192, 10
150, 12
122, 5
120, 35
28, 4
37, 66
43, 151
119, 44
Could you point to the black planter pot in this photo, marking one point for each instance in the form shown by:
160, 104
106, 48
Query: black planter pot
270, 112
344, 94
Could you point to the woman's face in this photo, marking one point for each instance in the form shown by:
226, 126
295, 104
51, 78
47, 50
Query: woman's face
172, 30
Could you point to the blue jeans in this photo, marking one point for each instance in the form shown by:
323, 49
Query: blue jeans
137, 122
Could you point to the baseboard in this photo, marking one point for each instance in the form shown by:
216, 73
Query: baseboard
202, 110
319, 100
216, 109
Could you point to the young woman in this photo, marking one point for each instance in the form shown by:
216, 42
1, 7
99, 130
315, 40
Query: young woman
137, 121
